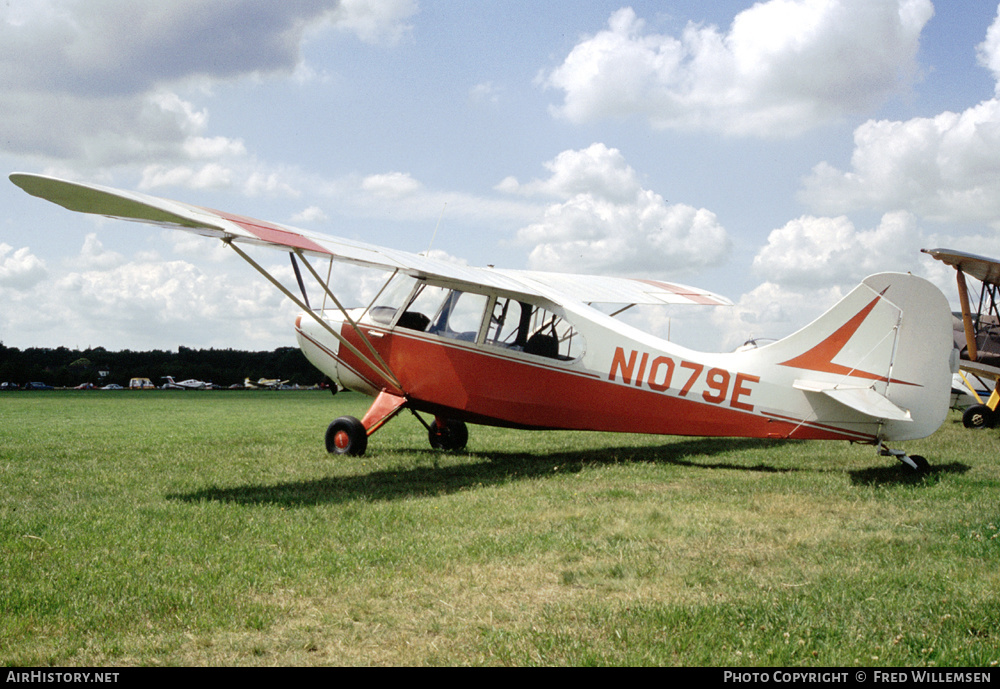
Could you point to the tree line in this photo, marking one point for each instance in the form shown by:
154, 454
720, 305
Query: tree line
62, 367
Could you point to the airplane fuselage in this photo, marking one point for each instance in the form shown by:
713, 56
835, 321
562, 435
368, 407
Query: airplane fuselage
621, 379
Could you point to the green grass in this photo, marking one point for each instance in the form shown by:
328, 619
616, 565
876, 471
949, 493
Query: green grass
212, 528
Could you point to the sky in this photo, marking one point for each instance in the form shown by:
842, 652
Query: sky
775, 152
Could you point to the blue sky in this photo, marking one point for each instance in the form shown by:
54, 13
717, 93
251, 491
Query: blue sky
775, 152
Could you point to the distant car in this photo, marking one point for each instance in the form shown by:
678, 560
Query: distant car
141, 384
38, 386
112, 386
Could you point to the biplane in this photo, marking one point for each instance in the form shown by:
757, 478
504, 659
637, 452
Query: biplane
977, 332
533, 350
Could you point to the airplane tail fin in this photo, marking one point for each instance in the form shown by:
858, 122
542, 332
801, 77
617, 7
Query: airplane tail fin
883, 355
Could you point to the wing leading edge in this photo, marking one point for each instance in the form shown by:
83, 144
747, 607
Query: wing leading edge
138, 207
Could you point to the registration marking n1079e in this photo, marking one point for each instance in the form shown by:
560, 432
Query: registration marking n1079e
658, 372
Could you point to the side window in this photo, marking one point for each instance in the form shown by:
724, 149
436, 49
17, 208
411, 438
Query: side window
460, 316
533, 329
392, 298
437, 310
425, 307
505, 324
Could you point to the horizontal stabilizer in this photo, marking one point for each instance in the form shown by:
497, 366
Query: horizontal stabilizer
862, 399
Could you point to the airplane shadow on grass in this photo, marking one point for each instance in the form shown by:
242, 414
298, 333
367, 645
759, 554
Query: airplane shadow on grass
495, 468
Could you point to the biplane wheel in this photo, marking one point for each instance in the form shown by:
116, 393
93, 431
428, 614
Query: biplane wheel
346, 436
923, 466
453, 435
978, 416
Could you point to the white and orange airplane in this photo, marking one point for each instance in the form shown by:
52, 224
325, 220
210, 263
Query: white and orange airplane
526, 349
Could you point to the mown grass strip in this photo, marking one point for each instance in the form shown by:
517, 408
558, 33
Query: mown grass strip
148, 528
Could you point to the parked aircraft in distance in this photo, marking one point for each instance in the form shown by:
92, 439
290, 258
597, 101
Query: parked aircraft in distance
189, 384
267, 383
527, 349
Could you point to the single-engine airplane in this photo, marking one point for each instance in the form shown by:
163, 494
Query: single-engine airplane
189, 384
977, 336
527, 349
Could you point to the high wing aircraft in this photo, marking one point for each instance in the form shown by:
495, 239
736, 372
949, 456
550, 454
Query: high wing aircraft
527, 349
268, 383
977, 336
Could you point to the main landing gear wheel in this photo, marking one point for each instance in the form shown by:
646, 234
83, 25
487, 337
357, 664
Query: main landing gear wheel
346, 436
979, 416
451, 435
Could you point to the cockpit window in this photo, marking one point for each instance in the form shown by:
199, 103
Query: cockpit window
392, 298
440, 311
460, 316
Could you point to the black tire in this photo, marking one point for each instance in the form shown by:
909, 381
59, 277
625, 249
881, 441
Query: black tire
923, 466
346, 436
978, 416
453, 435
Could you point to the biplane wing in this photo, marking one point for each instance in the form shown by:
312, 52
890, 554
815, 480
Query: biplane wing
232, 228
978, 339
982, 268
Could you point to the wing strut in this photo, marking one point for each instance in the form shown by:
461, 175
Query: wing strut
298, 278
970, 332
383, 366
378, 365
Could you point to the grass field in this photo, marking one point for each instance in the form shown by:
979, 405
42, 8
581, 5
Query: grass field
212, 528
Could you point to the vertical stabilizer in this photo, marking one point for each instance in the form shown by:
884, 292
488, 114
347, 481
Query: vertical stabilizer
882, 355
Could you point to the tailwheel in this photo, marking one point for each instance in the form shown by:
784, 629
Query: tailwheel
448, 434
979, 416
923, 466
346, 436
916, 462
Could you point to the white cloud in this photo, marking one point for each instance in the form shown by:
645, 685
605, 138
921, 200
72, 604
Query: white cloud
310, 214
375, 20
607, 223
945, 168
390, 184
783, 67
93, 255
268, 183
20, 270
214, 147
812, 262
815, 252
989, 50
485, 92
770, 312
209, 176
94, 82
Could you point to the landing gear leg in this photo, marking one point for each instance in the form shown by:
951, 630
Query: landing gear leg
916, 462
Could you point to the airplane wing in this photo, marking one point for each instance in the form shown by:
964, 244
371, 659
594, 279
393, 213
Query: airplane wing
127, 205
982, 268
